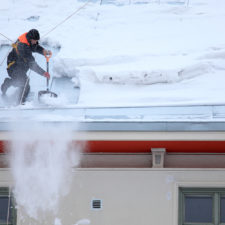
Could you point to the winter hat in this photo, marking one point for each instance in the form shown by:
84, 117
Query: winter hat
33, 34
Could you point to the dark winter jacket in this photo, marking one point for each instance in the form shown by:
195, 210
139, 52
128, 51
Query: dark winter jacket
21, 59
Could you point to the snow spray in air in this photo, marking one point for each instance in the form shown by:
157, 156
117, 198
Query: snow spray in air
42, 158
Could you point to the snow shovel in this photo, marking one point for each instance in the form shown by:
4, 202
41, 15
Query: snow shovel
47, 92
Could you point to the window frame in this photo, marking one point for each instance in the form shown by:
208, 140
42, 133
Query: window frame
5, 192
216, 194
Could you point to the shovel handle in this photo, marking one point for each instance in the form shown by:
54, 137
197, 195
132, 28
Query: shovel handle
48, 55
47, 84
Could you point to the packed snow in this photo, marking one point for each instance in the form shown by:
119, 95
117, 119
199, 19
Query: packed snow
129, 53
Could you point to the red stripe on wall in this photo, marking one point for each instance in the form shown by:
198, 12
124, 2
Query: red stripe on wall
145, 146
3, 146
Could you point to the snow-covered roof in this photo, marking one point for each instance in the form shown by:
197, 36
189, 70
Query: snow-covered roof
124, 54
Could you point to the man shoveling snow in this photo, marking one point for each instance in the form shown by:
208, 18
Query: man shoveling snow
20, 60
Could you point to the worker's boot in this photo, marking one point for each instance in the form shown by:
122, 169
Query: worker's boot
6, 84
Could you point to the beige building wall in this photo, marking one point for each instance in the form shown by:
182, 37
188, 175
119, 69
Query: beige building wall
129, 196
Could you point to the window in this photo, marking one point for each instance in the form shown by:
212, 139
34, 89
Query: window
7, 207
202, 206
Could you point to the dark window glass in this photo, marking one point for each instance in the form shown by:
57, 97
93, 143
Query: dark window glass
198, 209
5, 210
222, 210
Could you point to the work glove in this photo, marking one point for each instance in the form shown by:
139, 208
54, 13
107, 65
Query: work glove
47, 75
47, 52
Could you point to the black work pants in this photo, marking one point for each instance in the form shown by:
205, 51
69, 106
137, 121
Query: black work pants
18, 78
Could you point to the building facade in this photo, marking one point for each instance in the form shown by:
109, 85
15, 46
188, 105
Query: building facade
137, 173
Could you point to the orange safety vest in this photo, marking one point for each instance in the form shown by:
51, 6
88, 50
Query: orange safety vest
22, 38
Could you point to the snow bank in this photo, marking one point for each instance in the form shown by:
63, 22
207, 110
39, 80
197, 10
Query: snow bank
65, 67
147, 77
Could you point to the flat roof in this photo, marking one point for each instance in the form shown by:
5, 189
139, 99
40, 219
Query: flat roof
142, 118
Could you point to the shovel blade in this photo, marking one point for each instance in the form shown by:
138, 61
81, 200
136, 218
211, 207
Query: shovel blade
46, 93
